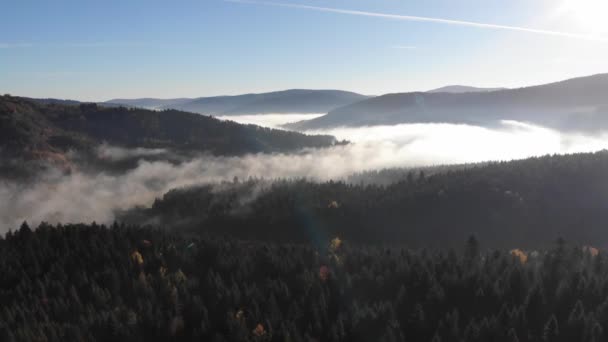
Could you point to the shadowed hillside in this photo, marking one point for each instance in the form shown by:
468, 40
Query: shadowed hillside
520, 203
575, 104
32, 130
459, 89
299, 101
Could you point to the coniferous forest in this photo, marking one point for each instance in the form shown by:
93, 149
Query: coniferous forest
118, 283
497, 251
518, 204
463, 253
304, 171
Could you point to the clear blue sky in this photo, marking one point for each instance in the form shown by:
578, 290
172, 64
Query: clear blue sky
97, 50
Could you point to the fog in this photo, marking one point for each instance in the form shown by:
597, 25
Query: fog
431, 144
114, 153
426, 144
269, 120
86, 197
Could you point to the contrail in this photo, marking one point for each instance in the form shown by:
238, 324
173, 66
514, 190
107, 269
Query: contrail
425, 19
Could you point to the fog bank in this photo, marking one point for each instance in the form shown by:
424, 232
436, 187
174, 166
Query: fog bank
85, 197
269, 120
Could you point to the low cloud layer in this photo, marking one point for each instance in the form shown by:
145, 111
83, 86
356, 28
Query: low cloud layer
269, 120
113, 153
431, 144
85, 197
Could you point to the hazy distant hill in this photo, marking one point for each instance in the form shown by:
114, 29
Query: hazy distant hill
31, 130
579, 103
288, 101
53, 101
148, 103
460, 89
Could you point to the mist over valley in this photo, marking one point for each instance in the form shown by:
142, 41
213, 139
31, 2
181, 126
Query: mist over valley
304, 171
100, 171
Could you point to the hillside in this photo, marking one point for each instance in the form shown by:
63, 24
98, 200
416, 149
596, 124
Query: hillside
289, 101
575, 104
33, 130
459, 89
92, 283
519, 203
148, 103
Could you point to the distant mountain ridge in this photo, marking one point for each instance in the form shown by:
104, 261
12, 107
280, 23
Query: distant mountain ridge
460, 89
576, 104
148, 103
299, 101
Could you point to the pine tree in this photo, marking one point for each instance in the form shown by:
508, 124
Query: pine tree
551, 330
512, 336
472, 248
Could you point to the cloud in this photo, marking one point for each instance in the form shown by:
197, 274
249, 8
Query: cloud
113, 153
269, 120
84, 197
427, 19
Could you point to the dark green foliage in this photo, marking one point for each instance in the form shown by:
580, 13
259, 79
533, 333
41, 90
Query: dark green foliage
518, 204
45, 131
83, 283
551, 330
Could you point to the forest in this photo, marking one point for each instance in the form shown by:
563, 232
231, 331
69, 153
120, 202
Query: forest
496, 251
523, 203
65, 135
304, 171
125, 283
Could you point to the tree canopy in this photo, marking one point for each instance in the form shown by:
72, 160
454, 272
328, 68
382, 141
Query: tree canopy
96, 283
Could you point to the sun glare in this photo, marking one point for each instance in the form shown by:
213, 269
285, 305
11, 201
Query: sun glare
588, 15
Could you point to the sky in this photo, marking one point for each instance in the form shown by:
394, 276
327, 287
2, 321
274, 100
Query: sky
98, 50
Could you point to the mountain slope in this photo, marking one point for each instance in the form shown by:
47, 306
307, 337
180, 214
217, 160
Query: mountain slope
520, 203
148, 103
297, 101
555, 105
34, 130
460, 89
287, 101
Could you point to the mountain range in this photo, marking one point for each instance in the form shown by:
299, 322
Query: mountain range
300, 101
579, 104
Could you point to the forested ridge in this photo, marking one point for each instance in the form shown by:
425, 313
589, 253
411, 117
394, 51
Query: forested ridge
33, 130
507, 204
92, 283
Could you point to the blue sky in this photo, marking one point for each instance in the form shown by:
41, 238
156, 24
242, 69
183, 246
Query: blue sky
97, 50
